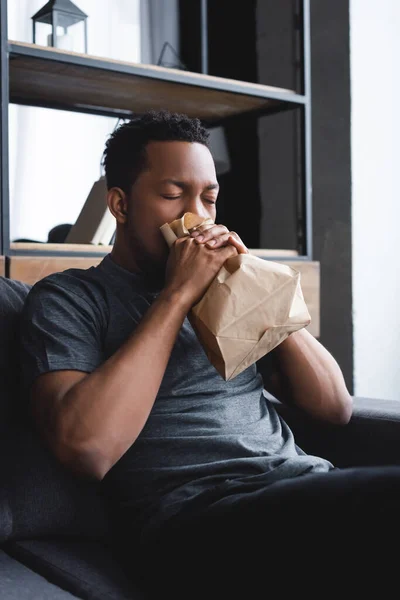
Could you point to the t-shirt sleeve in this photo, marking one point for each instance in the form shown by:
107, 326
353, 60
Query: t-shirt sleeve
61, 329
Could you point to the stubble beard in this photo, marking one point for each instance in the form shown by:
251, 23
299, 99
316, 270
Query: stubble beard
151, 267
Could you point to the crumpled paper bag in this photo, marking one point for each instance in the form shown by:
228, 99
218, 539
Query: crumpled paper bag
251, 306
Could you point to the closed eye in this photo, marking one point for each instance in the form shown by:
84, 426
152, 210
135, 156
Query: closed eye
170, 197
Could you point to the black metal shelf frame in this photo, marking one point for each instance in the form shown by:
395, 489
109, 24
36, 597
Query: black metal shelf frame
4, 165
287, 101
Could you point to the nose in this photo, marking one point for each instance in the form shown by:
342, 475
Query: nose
195, 205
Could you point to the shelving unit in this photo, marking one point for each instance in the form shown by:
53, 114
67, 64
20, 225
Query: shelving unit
40, 76
52, 78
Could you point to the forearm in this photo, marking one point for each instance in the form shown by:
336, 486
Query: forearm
102, 415
312, 379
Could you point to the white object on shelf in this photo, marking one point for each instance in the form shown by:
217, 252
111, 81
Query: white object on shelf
64, 42
95, 223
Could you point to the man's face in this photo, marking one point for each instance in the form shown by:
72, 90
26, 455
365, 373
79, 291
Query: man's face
180, 177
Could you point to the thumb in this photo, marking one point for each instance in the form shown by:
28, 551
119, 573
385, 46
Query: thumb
241, 248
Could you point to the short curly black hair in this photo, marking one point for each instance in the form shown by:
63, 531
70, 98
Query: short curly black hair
124, 157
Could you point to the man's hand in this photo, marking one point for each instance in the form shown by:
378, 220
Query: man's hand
191, 267
217, 236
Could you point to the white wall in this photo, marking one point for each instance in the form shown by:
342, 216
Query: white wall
375, 138
55, 155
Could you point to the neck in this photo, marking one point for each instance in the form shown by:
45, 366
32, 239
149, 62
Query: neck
134, 262
123, 257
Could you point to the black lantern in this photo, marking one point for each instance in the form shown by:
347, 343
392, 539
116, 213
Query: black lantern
60, 13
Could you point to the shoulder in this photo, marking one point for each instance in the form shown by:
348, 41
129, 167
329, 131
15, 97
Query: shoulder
13, 294
62, 326
68, 291
82, 282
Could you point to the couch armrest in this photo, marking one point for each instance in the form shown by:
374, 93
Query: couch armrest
372, 437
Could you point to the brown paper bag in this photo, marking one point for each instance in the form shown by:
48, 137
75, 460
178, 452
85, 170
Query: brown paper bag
251, 306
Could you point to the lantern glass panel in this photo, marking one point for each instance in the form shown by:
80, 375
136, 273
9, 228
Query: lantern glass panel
68, 38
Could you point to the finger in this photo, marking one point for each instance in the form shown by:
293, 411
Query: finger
228, 251
219, 241
238, 239
228, 238
238, 244
205, 234
200, 230
183, 240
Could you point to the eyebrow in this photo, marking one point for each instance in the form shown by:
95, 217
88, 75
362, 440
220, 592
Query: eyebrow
182, 184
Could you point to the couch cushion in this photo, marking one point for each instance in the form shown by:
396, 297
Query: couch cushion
12, 298
17, 582
37, 495
88, 570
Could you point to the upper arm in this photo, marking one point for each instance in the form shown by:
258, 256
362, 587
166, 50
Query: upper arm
61, 330
272, 377
47, 395
60, 343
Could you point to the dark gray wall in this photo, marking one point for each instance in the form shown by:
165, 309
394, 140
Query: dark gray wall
257, 41
277, 48
277, 65
233, 54
331, 122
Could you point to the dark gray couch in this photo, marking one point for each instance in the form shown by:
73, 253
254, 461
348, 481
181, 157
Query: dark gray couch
55, 530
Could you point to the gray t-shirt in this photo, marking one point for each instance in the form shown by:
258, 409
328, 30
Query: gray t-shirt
202, 429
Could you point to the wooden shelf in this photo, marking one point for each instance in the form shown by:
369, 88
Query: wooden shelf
67, 249
43, 76
87, 249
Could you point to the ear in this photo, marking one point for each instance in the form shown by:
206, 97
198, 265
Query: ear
117, 203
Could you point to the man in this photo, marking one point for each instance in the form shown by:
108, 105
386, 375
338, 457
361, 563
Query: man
196, 467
